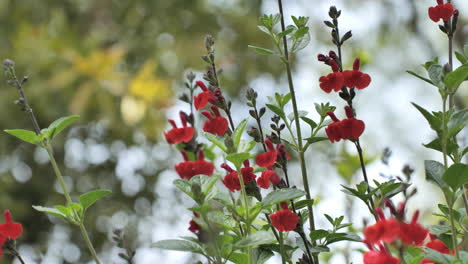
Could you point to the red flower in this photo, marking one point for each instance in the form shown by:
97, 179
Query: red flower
231, 180
268, 176
187, 169
193, 226
178, 135
385, 230
380, 257
202, 99
216, 125
441, 11
284, 220
413, 233
333, 130
333, 81
9, 230
438, 246
268, 158
351, 128
356, 78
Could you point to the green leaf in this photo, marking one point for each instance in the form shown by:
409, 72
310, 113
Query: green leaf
275, 109
457, 122
461, 58
262, 51
309, 121
413, 255
51, 211
436, 74
434, 172
434, 122
455, 78
25, 135
318, 234
304, 203
301, 114
288, 31
437, 256
281, 195
60, 124
313, 140
302, 39
437, 145
439, 229
89, 198
256, 239
420, 77
261, 255
456, 175
178, 245
245, 146
216, 141
238, 158
237, 134
184, 186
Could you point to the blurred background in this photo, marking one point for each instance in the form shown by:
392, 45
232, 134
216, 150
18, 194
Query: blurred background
120, 64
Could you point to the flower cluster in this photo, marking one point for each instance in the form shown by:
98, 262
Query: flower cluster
179, 134
231, 180
187, 169
349, 128
336, 80
9, 230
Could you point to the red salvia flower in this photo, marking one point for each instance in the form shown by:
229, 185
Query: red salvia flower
187, 169
9, 230
334, 130
231, 180
441, 11
413, 233
202, 99
284, 220
268, 158
182, 134
333, 81
216, 125
356, 78
351, 128
268, 176
385, 230
381, 256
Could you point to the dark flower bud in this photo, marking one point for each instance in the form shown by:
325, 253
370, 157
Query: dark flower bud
447, 68
321, 57
209, 43
8, 63
333, 12
332, 55
262, 111
190, 76
253, 132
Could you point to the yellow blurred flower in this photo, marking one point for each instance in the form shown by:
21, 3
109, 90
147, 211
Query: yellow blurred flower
149, 88
99, 64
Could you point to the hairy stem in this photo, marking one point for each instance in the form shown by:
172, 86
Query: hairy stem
298, 126
364, 173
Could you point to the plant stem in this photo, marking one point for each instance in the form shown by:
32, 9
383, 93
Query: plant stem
281, 245
84, 233
364, 173
16, 254
247, 214
298, 127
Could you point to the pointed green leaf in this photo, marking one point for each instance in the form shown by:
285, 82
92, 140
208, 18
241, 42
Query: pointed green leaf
51, 211
88, 199
420, 77
282, 195
237, 134
275, 109
455, 78
456, 175
262, 51
434, 122
460, 57
313, 140
238, 158
457, 122
25, 135
436, 75
216, 141
60, 124
256, 239
184, 186
437, 256
434, 172
178, 245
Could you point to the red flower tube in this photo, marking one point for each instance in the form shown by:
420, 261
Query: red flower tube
202, 99
284, 220
216, 125
356, 78
333, 81
334, 130
9, 230
268, 158
187, 169
178, 135
351, 128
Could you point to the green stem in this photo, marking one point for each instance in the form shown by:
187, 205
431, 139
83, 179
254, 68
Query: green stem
298, 127
247, 214
84, 233
281, 244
